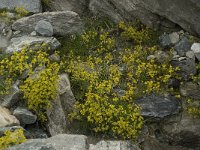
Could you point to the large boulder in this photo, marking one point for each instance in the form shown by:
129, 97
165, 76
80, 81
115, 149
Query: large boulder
34, 6
61, 141
78, 6
114, 145
153, 13
6, 119
63, 22
58, 114
18, 43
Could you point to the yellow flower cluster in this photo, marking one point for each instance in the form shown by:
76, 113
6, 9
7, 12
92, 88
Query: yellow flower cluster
12, 138
40, 87
106, 72
138, 36
40, 90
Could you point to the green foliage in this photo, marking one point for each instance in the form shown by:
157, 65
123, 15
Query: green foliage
109, 68
40, 87
12, 138
21, 12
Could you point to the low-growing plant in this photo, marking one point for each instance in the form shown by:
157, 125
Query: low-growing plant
38, 77
12, 138
114, 76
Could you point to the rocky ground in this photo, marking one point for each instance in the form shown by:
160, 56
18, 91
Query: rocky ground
171, 127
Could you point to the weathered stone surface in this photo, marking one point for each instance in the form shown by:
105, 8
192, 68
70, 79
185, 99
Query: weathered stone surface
3, 42
36, 131
44, 28
61, 107
33, 145
183, 130
190, 54
63, 22
196, 49
187, 67
152, 13
164, 40
114, 145
174, 37
155, 106
161, 56
57, 120
191, 90
24, 116
30, 5
78, 6
59, 142
152, 144
18, 43
68, 142
182, 46
13, 97
6, 119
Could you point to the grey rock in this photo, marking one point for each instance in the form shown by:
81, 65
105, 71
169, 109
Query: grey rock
196, 49
152, 144
158, 107
114, 145
174, 37
44, 28
61, 107
34, 33
24, 116
183, 130
54, 57
156, 13
6, 119
18, 43
191, 90
12, 98
3, 42
190, 54
58, 142
57, 120
161, 56
63, 22
78, 6
151, 57
35, 132
68, 142
30, 5
187, 67
33, 145
164, 40
182, 46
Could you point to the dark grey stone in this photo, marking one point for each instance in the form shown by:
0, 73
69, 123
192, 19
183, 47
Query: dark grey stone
187, 67
24, 116
182, 46
155, 106
164, 40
